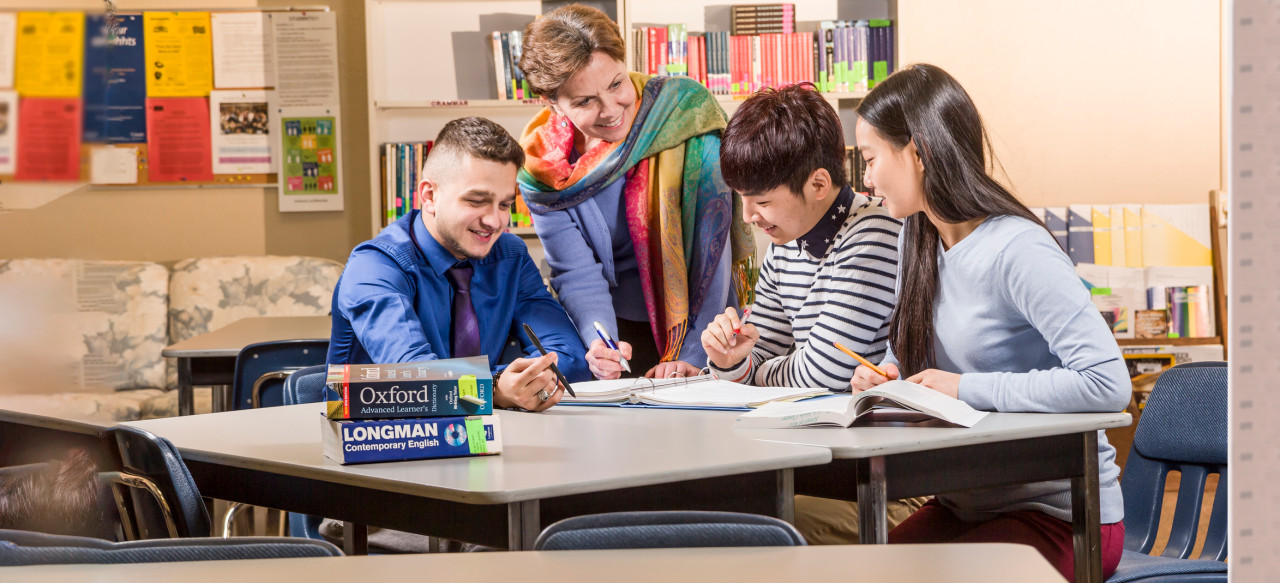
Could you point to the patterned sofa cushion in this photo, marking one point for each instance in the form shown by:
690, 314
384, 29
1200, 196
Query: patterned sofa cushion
209, 293
82, 324
101, 407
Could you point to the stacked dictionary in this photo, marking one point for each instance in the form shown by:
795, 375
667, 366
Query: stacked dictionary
410, 411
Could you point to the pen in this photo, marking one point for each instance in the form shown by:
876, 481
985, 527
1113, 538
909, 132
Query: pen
873, 367
745, 314
604, 335
554, 368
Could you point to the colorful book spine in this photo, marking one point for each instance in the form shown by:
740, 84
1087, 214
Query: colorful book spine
1189, 308
430, 388
390, 440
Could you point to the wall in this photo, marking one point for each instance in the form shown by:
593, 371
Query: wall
1087, 101
170, 224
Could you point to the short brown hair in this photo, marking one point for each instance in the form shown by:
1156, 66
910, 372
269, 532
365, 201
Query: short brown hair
561, 43
781, 136
478, 137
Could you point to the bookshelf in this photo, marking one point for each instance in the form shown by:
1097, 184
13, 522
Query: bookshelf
428, 61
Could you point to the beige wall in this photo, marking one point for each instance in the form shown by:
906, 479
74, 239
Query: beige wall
171, 224
1087, 101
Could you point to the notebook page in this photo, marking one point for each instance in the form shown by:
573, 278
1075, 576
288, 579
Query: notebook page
721, 393
616, 390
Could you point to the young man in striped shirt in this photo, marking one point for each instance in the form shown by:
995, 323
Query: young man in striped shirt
827, 277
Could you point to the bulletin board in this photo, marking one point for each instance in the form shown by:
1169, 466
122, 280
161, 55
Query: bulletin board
159, 98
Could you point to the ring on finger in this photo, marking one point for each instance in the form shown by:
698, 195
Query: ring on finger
543, 395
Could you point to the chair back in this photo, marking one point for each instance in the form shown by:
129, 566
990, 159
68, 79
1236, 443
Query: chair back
306, 385
19, 548
261, 370
1183, 428
667, 529
162, 499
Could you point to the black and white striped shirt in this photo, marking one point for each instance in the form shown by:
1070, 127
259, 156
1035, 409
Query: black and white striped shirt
804, 303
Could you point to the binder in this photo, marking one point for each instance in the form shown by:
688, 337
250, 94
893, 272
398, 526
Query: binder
699, 392
1080, 233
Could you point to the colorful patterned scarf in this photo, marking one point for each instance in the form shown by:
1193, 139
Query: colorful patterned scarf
680, 214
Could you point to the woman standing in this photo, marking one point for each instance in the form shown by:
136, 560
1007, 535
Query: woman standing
623, 173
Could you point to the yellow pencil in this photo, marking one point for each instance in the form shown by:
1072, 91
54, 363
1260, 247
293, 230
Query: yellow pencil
864, 361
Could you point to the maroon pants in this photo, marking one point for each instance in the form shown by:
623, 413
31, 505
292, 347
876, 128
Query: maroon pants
934, 523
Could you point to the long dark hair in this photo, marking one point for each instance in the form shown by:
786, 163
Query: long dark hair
925, 104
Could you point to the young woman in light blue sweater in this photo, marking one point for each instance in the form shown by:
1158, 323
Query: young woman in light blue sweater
989, 311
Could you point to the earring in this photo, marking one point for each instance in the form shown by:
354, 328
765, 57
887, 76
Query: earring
564, 124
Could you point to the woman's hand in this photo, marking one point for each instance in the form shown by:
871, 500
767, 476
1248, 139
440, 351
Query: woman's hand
604, 362
675, 368
947, 383
864, 378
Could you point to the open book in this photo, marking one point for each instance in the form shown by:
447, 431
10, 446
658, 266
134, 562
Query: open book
703, 391
843, 410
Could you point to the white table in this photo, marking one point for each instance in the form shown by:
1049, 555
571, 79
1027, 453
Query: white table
875, 464
32, 438
971, 563
210, 358
564, 462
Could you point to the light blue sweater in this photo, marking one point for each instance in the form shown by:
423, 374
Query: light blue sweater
596, 278
1013, 318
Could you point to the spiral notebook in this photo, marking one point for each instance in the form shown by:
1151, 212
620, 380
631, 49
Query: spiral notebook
698, 392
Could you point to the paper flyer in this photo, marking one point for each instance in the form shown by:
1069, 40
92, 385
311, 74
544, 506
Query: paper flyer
243, 54
8, 31
115, 88
113, 165
240, 127
178, 53
308, 174
50, 139
306, 47
52, 49
8, 130
178, 140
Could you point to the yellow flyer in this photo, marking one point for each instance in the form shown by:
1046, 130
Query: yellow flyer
50, 50
179, 54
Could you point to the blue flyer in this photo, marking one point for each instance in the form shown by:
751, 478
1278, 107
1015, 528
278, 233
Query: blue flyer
115, 84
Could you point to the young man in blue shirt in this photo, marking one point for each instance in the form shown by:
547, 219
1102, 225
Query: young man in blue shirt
447, 282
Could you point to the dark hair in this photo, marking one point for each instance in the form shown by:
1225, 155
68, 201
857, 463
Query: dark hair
561, 43
478, 137
55, 498
781, 136
925, 104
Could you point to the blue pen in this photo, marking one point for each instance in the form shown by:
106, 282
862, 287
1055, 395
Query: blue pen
604, 335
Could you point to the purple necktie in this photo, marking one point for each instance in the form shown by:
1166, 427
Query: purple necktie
466, 329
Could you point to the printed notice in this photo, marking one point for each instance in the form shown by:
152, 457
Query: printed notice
49, 142
243, 54
179, 57
52, 49
178, 140
113, 165
8, 29
115, 88
240, 128
306, 46
8, 130
309, 161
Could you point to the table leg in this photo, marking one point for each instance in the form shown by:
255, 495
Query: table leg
186, 394
523, 525
355, 538
1086, 522
873, 526
786, 502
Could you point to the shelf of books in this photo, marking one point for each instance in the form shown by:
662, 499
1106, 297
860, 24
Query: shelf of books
473, 46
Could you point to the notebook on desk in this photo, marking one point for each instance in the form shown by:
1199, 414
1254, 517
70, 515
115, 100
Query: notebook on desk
698, 392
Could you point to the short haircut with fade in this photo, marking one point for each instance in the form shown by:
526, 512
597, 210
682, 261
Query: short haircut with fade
781, 136
477, 137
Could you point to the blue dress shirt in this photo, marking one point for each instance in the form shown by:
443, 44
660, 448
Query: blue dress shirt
393, 302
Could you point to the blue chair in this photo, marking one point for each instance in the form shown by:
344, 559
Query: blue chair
667, 529
161, 499
262, 368
306, 385
1183, 428
19, 548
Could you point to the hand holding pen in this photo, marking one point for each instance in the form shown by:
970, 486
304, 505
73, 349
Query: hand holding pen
728, 340
868, 375
606, 358
543, 396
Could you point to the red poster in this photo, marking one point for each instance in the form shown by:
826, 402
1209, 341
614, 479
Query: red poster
178, 142
49, 139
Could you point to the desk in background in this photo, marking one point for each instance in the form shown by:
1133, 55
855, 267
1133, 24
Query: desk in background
210, 358
564, 462
969, 563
